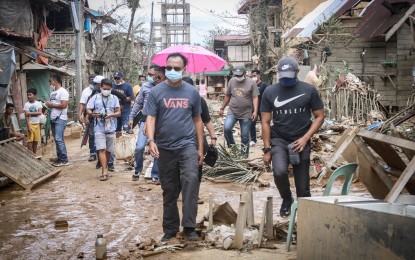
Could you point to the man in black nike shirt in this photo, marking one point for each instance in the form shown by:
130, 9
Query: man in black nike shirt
290, 103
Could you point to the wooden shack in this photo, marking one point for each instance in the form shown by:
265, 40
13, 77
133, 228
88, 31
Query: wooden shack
377, 44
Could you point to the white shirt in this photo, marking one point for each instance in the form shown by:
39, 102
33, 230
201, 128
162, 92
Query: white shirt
56, 97
86, 93
33, 107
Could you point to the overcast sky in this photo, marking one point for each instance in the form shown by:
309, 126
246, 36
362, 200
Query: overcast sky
201, 19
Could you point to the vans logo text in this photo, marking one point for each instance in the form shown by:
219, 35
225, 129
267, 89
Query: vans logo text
176, 102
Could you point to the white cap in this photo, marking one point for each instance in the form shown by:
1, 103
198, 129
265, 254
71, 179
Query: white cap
98, 79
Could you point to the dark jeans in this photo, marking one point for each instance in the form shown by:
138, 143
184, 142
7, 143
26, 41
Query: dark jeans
280, 161
122, 121
245, 125
252, 131
178, 171
58, 130
91, 142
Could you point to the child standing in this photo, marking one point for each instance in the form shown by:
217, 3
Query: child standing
33, 110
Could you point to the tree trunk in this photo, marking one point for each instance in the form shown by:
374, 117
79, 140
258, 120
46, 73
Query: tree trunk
134, 6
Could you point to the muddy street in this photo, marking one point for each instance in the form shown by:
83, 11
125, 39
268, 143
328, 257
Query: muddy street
122, 210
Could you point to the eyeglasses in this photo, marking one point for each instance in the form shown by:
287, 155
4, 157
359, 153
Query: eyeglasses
151, 75
157, 77
169, 68
117, 78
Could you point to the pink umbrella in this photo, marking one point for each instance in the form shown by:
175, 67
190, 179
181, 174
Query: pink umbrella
198, 58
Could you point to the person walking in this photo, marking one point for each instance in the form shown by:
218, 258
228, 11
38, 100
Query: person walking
124, 88
290, 104
256, 76
58, 104
175, 137
104, 108
242, 96
87, 93
155, 76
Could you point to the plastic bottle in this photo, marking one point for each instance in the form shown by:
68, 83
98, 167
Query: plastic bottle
100, 247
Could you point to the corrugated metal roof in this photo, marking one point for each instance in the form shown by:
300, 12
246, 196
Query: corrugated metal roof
312, 21
232, 37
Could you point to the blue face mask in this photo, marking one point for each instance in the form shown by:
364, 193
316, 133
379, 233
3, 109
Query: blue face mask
96, 86
288, 81
173, 75
150, 79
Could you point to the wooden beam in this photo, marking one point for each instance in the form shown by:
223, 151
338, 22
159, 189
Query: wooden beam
409, 154
44, 178
406, 199
394, 28
400, 184
250, 207
269, 223
373, 162
391, 81
339, 152
240, 225
210, 211
261, 226
387, 139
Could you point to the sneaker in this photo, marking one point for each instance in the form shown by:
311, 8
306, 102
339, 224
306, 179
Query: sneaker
252, 143
136, 177
130, 131
111, 167
92, 158
190, 234
60, 164
167, 237
98, 166
156, 181
285, 209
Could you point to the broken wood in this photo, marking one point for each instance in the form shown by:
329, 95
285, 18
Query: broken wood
240, 226
261, 226
387, 139
408, 153
269, 223
210, 211
400, 184
250, 207
373, 162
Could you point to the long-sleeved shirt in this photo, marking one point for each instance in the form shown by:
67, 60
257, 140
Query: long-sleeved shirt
141, 100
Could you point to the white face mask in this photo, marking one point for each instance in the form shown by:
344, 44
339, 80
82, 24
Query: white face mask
240, 78
255, 79
106, 92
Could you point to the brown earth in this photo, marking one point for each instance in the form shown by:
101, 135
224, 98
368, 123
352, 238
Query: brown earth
122, 210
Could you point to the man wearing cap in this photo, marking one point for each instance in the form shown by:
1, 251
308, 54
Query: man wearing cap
125, 88
290, 103
87, 93
242, 94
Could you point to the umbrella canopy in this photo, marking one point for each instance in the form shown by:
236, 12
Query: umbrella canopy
198, 58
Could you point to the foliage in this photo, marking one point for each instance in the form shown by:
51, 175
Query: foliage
210, 37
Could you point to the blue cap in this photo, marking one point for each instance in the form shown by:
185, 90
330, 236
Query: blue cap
118, 74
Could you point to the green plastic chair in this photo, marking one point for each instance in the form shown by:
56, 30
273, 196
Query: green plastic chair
347, 171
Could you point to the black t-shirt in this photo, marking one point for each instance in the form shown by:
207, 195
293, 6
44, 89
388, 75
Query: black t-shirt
261, 87
205, 111
291, 108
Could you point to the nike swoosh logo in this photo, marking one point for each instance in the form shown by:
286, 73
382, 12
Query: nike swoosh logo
281, 103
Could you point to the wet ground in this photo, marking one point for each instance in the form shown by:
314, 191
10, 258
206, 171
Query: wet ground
122, 210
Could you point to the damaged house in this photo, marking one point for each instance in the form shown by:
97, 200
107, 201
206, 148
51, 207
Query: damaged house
373, 40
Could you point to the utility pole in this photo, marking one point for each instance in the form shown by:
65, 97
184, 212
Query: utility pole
80, 60
150, 42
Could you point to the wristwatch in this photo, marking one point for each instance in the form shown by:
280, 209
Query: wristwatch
150, 140
266, 150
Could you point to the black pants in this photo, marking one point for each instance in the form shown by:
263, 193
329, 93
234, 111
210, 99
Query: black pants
205, 149
178, 171
280, 161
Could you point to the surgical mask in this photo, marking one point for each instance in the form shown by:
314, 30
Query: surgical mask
142, 82
150, 79
96, 87
255, 79
106, 92
173, 75
240, 78
120, 83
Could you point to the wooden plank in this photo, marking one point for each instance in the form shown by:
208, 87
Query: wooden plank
387, 139
44, 178
261, 226
387, 153
373, 162
406, 199
269, 227
376, 187
400, 184
250, 207
210, 211
408, 153
338, 153
240, 225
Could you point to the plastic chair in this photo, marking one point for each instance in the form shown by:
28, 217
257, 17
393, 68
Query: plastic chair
347, 171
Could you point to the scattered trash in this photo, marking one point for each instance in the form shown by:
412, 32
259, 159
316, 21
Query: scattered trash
222, 236
61, 225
